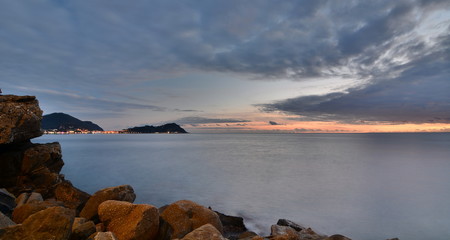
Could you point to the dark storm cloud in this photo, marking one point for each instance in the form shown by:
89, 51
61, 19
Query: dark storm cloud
97, 44
419, 94
202, 120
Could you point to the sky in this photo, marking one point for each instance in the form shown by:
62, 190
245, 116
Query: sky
312, 66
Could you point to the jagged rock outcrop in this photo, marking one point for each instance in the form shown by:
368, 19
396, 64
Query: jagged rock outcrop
20, 118
25, 166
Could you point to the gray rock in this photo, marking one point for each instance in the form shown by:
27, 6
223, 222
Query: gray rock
119, 193
5, 221
20, 118
7, 201
289, 223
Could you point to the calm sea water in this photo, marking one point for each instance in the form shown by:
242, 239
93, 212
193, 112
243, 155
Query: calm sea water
364, 186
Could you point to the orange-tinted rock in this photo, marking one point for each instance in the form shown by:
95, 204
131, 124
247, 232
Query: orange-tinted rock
182, 217
205, 232
129, 221
71, 196
51, 223
24, 211
20, 118
119, 193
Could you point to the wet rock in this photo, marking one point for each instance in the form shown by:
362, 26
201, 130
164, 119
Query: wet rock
7, 201
129, 221
20, 118
232, 226
205, 232
21, 213
72, 197
82, 229
119, 193
289, 223
283, 232
51, 223
102, 236
182, 217
5, 221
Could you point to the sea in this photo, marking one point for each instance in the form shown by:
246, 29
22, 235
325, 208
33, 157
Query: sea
364, 186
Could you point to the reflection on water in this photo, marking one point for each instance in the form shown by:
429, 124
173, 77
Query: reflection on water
365, 186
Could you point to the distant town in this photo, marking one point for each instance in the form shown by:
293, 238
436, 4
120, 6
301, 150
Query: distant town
84, 131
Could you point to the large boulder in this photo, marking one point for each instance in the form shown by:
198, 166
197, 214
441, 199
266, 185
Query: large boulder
129, 221
72, 197
205, 232
184, 216
51, 223
119, 193
31, 166
20, 118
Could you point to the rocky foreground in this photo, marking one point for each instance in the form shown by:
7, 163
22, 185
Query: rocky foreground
36, 202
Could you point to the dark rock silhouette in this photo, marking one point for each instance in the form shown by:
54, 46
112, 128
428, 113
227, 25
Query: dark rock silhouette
166, 128
65, 122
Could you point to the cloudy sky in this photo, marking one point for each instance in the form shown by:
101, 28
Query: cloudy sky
230, 66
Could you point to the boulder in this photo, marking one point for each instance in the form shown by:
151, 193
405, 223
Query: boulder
5, 221
7, 201
232, 226
24, 211
205, 232
82, 229
283, 232
129, 221
289, 223
119, 193
51, 223
30, 166
184, 216
20, 118
71, 196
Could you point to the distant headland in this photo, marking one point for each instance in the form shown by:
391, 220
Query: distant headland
62, 123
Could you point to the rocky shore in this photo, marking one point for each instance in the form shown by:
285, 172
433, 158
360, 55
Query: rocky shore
37, 202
